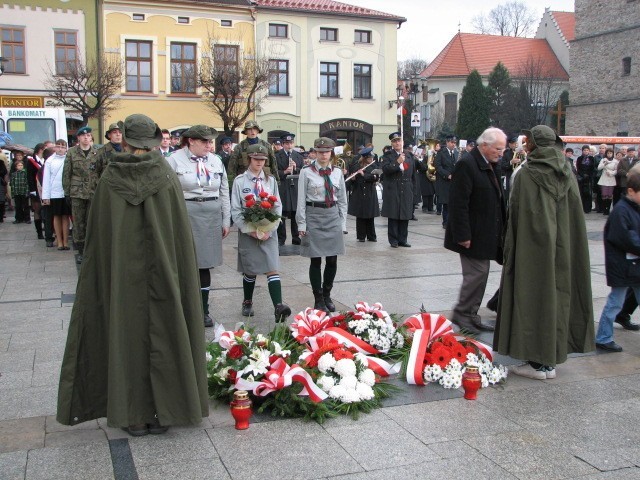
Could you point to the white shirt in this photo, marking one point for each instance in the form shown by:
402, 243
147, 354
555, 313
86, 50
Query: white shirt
52, 177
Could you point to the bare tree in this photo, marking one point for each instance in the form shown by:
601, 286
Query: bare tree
542, 84
234, 82
87, 86
411, 68
511, 19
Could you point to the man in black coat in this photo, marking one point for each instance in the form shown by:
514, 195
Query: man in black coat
397, 191
289, 164
477, 215
444, 163
224, 152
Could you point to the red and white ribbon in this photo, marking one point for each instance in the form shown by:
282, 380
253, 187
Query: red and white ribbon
483, 347
376, 309
228, 338
309, 323
280, 376
426, 327
435, 325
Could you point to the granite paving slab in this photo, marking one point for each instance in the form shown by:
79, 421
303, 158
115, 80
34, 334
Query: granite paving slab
622, 474
171, 447
21, 434
293, 448
377, 445
73, 462
52, 425
28, 402
209, 469
17, 361
13, 465
73, 437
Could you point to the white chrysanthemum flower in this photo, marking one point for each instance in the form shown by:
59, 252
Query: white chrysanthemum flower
361, 358
453, 366
503, 372
345, 367
432, 373
326, 362
337, 392
447, 381
365, 391
223, 373
349, 382
326, 383
260, 338
209, 357
368, 377
350, 395
472, 360
485, 381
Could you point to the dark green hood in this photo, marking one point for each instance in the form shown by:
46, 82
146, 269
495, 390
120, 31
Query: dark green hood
136, 177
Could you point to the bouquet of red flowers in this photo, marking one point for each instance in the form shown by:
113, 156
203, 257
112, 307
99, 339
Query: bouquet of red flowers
259, 215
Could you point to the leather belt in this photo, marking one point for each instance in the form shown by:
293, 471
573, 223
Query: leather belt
200, 199
320, 204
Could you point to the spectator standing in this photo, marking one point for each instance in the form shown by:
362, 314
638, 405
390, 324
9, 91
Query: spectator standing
546, 308
165, 145
625, 164
239, 161
4, 181
45, 210
597, 175
33, 166
445, 162
608, 167
53, 194
586, 167
225, 150
20, 193
477, 216
79, 181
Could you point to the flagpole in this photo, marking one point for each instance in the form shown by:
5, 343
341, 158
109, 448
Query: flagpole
401, 102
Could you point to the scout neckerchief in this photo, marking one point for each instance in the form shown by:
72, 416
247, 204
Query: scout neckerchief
325, 173
201, 169
257, 187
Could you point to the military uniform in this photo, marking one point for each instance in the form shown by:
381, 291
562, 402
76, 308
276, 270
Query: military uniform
79, 180
239, 161
104, 157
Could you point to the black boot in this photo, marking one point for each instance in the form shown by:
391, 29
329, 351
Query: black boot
38, 225
607, 206
208, 321
326, 294
319, 301
282, 311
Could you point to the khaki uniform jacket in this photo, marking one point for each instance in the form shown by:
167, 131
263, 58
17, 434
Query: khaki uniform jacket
79, 177
239, 161
104, 157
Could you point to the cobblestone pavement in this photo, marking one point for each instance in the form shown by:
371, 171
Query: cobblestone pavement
580, 425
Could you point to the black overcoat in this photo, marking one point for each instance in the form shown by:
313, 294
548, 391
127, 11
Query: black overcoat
397, 187
476, 209
426, 187
364, 196
445, 163
288, 182
622, 244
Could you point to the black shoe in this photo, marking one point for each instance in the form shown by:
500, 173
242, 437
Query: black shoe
627, 324
155, 428
394, 245
404, 244
326, 294
280, 243
373, 239
414, 218
609, 347
361, 239
28, 222
282, 311
247, 308
466, 325
208, 321
49, 243
319, 301
484, 327
137, 430
438, 213
492, 304
40, 236
296, 241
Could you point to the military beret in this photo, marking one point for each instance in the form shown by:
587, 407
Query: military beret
83, 130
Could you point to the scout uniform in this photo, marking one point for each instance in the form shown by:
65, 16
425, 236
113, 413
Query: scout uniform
239, 160
79, 180
257, 256
322, 215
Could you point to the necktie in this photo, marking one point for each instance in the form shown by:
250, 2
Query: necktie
328, 185
201, 169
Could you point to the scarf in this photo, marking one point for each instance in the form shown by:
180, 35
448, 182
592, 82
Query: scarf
201, 169
325, 173
253, 141
257, 188
117, 147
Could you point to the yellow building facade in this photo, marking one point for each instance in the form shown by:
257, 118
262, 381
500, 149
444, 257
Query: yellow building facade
160, 44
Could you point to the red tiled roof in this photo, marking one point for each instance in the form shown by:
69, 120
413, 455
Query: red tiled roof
327, 6
473, 51
566, 23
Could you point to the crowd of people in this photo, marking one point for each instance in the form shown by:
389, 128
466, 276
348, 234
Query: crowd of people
517, 201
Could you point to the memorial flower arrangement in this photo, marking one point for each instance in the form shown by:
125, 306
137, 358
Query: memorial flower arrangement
259, 215
374, 326
448, 356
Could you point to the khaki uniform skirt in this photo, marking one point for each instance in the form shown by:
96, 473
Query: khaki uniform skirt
206, 225
324, 236
256, 257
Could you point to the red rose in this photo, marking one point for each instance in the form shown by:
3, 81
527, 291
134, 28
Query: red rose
273, 198
263, 194
232, 375
250, 203
265, 204
235, 352
249, 197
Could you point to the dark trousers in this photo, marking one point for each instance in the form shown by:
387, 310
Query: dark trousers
427, 203
617, 191
47, 222
397, 231
282, 228
587, 201
21, 205
475, 274
629, 306
365, 228
445, 214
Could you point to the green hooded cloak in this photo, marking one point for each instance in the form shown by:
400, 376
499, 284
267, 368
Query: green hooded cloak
546, 307
136, 345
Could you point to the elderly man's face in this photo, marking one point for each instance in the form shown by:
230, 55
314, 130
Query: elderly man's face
493, 152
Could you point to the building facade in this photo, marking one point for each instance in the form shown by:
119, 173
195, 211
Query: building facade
604, 90
333, 70
39, 37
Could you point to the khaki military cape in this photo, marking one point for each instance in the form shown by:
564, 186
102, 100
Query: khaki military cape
546, 308
136, 343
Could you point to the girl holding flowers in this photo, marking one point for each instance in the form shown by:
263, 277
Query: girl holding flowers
256, 211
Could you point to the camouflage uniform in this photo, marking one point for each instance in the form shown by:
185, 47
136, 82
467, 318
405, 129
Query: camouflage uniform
104, 157
79, 180
239, 161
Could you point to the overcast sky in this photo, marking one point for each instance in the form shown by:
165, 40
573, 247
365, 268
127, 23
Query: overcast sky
432, 23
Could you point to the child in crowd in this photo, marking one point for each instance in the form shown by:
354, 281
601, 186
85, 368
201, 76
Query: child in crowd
20, 192
622, 259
